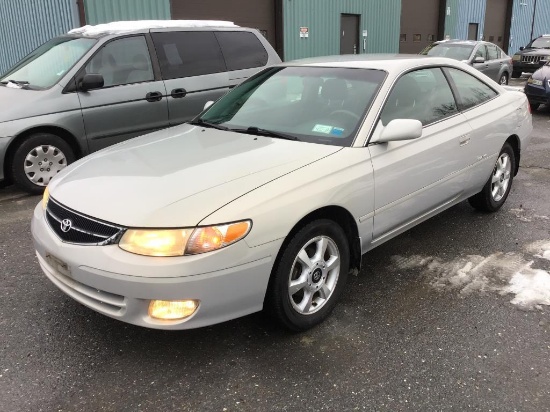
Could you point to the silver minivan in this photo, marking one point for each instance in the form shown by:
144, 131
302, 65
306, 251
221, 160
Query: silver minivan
101, 85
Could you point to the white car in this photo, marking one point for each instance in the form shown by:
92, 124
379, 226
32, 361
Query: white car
270, 197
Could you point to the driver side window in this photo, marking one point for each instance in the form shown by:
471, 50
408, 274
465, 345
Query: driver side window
123, 61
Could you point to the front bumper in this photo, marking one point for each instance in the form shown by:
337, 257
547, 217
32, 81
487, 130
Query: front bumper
83, 273
526, 67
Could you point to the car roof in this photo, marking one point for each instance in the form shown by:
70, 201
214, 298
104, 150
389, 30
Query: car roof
387, 62
141, 26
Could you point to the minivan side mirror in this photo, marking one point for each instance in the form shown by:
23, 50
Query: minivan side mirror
522, 48
208, 104
91, 81
479, 59
401, 129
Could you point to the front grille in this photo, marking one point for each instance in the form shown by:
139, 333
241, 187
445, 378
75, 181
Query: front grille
73, 227
531, 59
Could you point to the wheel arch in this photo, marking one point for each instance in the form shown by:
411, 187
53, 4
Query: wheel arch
56, 130
340, 216
516, 146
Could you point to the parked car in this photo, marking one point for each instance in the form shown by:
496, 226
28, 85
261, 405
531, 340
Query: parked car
271, 196
528, 58
486, 57
100, 85
537, 88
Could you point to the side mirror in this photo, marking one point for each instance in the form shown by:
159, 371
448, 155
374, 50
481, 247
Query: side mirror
479, 59
401, 129
208, 104
522, 48
91, 81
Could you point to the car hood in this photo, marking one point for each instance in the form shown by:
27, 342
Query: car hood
535, 52
542, 74
177, 177
22, 103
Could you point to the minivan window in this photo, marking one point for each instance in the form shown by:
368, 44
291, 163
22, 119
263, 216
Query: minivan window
123, 61
188, 53
242, 50
45, 66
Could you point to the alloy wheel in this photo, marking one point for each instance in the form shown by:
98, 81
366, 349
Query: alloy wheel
501, 177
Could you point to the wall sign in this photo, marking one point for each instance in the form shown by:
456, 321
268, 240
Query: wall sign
304, 32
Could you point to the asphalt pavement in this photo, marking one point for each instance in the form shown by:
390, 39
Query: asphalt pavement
428, 324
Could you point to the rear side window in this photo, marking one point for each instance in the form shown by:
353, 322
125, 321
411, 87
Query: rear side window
242, 50
471, 91
188, 53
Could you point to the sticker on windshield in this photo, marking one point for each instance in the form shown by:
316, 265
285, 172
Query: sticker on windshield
337, 131
321, 128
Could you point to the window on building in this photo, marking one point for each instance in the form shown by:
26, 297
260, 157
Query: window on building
123, 61
403, 37
491, 38
188, 53
241, 50
500, 39
431, 37
417, 38
471, 90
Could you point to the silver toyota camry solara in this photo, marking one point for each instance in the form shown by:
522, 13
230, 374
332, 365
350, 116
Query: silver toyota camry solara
270, 197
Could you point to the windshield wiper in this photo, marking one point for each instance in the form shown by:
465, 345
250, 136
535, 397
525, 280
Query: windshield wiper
256, 131
200, 122
17, 82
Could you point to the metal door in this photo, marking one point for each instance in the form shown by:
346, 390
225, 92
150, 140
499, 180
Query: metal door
473, 31
349, 36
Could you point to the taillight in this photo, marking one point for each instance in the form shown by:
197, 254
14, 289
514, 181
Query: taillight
529, 107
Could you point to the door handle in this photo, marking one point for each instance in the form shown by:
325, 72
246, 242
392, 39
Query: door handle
178, 93
464, 140
153, 96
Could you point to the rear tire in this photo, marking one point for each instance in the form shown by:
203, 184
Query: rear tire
38, 159
496, 190
516, 75
503, 79
309, 277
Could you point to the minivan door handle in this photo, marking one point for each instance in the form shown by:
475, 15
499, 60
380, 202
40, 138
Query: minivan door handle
178, 93
153, 96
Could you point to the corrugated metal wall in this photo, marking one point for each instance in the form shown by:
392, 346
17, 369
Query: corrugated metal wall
381, 19
470, 11
104, 11
452, 12
26, 24
522, 22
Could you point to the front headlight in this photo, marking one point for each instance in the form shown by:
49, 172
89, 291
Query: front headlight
179, 242
45, 198
516, 57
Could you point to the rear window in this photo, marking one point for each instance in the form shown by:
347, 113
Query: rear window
188, 53
242, 50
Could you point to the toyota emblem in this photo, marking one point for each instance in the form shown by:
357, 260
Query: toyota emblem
66, 225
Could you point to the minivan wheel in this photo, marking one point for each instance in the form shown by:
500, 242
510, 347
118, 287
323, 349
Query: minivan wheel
310, 275
38, 159
516, 75
503, 79
496, 190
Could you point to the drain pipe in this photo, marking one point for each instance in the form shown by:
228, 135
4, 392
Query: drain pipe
533, 22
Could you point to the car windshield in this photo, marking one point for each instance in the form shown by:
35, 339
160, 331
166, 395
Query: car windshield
45, 66
313, 104
452, 51
541, 43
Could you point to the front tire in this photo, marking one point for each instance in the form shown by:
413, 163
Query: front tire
38, 159
516, 75
496, 190
309, 277
534, 106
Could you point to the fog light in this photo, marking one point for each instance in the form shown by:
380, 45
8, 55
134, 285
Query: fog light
172, 309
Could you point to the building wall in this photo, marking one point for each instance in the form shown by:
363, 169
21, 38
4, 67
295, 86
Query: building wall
104, 11
528, 23
542, 18
470, 11
495, 22
452, 12
258, 14
380, 19
26, 24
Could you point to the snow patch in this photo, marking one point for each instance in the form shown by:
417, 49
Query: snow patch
127, 26
503, 273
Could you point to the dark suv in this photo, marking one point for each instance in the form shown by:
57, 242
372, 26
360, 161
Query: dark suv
528, 58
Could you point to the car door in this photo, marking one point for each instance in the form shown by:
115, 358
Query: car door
491, 123
193, 70
494, 63
481, 51
131, 102
416, 178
